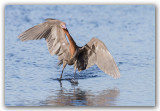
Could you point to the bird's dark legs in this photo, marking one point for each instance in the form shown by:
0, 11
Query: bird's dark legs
64, 65
74, 78
61, 74
75, 74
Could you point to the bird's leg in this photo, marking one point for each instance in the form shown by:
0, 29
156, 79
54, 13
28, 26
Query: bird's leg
61, 74
75, 67
64, 65
60, 83
74, 74
74, 81
74, 78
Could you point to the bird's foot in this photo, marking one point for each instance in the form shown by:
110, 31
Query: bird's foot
73, 81
59, 79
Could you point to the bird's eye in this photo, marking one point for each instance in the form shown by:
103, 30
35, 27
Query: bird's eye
64, 26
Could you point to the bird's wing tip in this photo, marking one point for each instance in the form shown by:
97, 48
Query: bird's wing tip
49, 19
116, 76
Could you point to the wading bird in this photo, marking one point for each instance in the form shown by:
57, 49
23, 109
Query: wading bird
94, 52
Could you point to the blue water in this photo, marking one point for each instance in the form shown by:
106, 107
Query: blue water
128, 32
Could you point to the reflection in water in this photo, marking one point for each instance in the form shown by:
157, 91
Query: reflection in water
78, 97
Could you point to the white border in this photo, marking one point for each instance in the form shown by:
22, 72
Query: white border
6, 2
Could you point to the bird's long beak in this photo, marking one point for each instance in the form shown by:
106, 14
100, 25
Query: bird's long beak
65, 29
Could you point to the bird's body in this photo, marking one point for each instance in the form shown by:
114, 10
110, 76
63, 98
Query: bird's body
94, 52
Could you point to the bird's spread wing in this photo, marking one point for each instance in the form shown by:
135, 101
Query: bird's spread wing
98, 54
54, 35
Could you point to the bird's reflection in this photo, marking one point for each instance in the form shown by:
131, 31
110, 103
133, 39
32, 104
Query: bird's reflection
75, 96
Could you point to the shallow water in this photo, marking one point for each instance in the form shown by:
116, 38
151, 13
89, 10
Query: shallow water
128, 32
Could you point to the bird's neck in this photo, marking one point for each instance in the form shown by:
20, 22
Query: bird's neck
72, 46
71, 41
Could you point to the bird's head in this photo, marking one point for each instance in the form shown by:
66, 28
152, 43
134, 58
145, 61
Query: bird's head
63, 25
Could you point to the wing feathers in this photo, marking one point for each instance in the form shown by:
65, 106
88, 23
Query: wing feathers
98, 54
53, 34
37, 32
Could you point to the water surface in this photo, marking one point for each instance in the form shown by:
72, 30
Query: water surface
31, 72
